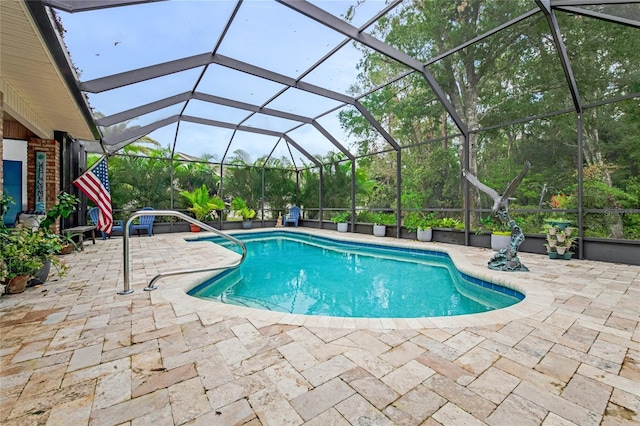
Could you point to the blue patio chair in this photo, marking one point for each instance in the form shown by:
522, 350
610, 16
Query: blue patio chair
94, 213
145, 223
292, 217
118, 225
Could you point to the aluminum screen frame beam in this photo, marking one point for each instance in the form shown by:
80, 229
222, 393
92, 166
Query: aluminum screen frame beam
259, 131
545, 7
186, 96
153, 106
150, 72
250, 107
482, 36
138, 132
221, 38
557, 3
146, 73
377, 125
225, 125
142, 110
319, 15
203, 60
602, 16
73, 6
333, 140
302, 150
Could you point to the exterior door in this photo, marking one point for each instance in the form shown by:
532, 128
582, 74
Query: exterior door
12, 187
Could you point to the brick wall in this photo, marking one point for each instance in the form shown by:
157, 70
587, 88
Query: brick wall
52, 149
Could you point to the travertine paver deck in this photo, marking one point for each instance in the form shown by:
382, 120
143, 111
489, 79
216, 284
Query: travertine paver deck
73, 352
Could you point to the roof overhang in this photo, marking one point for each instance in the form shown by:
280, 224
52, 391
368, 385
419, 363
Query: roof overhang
33, 79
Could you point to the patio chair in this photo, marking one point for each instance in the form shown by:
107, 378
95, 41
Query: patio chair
145, 223
94, 212
292, 217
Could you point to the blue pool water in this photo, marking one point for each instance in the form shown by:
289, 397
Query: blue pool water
303, 274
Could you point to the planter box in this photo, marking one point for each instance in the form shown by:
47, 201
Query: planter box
610, 250
600, 249
451, 236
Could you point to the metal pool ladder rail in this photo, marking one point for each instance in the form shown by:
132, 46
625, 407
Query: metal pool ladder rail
128, 290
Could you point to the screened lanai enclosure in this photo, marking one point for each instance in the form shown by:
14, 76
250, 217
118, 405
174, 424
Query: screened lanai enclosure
368, 108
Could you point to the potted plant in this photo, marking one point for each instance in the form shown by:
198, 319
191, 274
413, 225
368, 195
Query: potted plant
381, 221
24, 252
500, 233
202, 204
241, 208
558, 202
559, 242
27, 253
447, 223
68, 244
18, 250
421, 223
49, 245
65, 205
342, 221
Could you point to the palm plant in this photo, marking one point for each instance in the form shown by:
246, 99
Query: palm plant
240, 206
202, 204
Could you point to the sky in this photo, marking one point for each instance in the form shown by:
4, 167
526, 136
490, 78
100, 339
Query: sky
264, 33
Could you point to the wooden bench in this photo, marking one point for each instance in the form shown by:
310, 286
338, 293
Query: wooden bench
79, 231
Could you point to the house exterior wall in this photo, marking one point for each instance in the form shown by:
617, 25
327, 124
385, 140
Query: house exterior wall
1, 143
19, 143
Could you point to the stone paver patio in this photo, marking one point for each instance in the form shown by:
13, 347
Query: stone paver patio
74, 352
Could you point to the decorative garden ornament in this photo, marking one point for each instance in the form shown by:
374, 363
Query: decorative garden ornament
507, 258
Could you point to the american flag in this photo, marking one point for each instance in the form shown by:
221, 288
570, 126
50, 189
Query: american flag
95, 183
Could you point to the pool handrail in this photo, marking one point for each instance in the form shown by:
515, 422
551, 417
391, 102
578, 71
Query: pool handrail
127, 288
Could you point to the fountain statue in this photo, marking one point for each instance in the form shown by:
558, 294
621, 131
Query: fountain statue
507, 258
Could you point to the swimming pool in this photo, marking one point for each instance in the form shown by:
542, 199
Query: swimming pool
311, 275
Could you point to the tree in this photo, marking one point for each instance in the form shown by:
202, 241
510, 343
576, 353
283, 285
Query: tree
243, 179
424, 29
515, 73
279, 184
141, 176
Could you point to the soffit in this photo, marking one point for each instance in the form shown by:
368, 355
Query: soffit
36, 94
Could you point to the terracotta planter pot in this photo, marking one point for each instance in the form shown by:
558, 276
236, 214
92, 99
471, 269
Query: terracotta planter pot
17, 284
194, 228
67, 249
